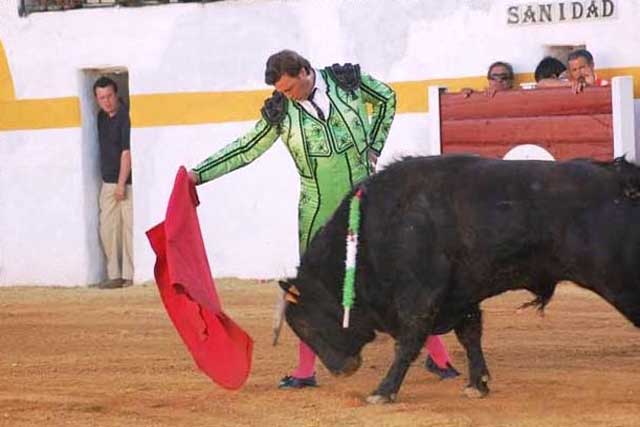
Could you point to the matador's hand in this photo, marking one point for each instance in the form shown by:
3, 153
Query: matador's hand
193, 177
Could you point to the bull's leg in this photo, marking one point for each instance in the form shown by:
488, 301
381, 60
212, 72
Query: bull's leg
407, 350
417, 308
469, 333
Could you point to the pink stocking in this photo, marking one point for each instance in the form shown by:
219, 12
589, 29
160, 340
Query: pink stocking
437, 350
306, 362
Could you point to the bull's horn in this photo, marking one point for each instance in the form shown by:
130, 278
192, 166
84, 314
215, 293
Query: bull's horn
278, 317
291, 298
293, 290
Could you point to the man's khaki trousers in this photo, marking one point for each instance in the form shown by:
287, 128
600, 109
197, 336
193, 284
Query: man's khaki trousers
116, 232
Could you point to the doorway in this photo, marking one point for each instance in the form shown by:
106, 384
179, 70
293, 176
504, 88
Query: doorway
90, 160
561, 52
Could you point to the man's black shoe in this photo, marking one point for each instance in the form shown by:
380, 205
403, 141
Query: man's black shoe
444, 373
293, 382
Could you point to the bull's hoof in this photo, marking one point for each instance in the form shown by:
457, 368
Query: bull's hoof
377, 399
474, 393
479, 389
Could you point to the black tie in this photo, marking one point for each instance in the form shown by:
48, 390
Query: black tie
315, 106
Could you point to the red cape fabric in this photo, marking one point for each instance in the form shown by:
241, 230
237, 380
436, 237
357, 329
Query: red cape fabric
218, 345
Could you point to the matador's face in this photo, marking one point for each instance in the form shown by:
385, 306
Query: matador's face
298, 87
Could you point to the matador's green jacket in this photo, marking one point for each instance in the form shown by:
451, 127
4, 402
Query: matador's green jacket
331, 156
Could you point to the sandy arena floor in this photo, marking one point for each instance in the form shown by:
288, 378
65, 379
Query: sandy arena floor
86, 357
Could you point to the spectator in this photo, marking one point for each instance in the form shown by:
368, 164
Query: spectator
500, 77
116, 211
550, 72
582, 72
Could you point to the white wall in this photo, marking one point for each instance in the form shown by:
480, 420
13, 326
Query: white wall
47, 216
42, 220
223, 45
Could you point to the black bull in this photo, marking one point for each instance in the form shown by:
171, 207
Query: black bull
441, 234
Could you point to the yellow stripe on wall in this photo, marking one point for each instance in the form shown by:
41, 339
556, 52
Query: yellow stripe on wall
609, 73
218, 107
412, 96
34, 113
6, 82
196, 108
40, 114
192, 108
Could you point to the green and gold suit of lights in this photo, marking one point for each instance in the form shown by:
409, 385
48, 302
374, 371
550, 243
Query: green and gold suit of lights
331, 156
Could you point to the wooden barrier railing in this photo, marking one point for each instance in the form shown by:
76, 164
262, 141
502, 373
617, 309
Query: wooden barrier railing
594, 123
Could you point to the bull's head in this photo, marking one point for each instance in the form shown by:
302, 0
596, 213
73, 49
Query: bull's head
315, 315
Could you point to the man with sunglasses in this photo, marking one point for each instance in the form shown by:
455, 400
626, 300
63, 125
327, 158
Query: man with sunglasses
499, 77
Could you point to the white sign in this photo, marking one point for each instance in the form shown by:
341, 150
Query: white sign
560, 11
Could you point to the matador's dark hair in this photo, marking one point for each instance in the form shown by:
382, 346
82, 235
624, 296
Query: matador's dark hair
284, 62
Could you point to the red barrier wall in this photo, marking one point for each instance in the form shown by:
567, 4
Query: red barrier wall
565, 124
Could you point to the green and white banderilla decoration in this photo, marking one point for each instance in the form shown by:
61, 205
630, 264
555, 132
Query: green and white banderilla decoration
348, 289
